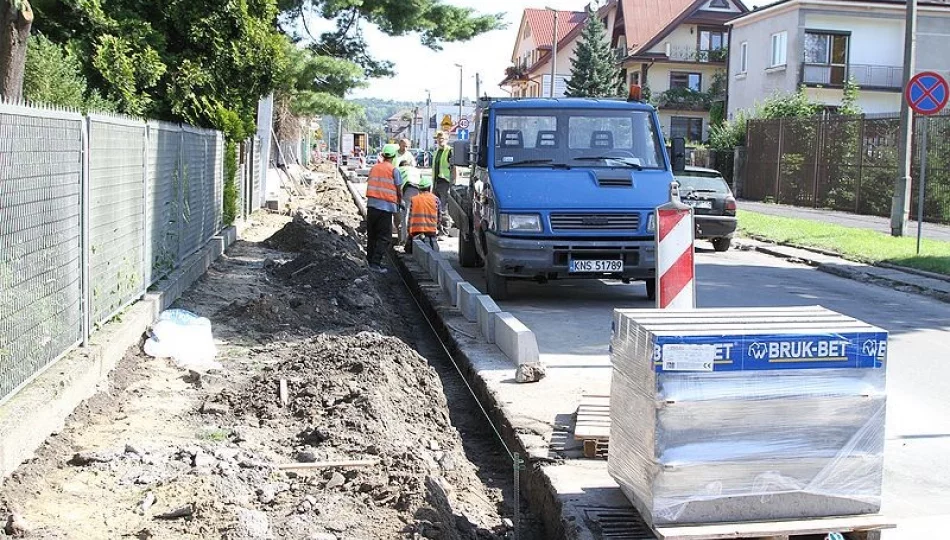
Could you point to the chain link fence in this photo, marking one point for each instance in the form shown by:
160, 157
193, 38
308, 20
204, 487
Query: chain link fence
93, 210
844, 163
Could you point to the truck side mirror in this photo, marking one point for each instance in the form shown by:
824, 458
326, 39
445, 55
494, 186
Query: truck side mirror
678, 155
460, 153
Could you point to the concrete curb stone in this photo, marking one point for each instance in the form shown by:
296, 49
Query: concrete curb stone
515, 339
485, 311
466, 301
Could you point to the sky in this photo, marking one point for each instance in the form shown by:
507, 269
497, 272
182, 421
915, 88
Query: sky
419, 69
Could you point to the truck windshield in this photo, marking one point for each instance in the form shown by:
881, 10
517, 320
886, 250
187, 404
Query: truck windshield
577, 137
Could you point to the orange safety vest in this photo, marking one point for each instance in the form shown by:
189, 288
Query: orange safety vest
424, 214
381, 183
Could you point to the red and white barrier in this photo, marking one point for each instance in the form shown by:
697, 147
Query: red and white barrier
675, 270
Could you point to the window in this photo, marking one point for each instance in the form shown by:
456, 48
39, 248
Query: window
635, 77
744, 57
711, 39
826, 58
604, 138
527, 31
690, 129
681, 79
779, 46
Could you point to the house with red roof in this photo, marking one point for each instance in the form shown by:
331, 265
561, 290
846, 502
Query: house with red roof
674, 49
530, 72
677, 51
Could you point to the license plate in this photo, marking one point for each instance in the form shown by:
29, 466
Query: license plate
698, 204
596, 266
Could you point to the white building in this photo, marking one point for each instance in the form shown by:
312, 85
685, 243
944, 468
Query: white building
823, 43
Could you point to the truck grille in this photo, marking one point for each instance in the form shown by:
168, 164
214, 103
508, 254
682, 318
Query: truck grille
595, 222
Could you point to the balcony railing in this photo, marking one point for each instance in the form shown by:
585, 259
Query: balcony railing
692, 54
864, 75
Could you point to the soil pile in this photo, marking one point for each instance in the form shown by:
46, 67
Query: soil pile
368, 397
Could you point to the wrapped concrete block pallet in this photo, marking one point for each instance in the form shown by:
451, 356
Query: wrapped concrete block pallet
732, 415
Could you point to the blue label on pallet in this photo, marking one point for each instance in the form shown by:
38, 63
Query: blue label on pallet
780, 351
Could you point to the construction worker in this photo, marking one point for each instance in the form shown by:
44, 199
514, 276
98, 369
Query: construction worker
404, 152
424, 211
443, 176
383, 197
411, 179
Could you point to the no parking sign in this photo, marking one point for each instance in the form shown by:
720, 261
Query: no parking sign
927, 93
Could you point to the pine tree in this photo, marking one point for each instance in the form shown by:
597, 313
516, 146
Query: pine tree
594, 70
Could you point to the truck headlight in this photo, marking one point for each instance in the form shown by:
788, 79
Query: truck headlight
519, 223
651, 222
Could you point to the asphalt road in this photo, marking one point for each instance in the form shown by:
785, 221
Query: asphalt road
572, 322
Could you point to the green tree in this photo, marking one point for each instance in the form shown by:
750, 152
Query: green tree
594, 70
175, 60
53, 76
849, 99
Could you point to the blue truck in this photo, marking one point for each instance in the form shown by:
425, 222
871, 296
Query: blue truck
562, 188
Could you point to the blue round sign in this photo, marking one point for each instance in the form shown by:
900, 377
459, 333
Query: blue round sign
927, 93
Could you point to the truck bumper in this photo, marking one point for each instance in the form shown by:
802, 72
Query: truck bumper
550, 259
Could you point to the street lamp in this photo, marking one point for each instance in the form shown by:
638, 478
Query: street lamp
460, 91
553, 52
425, 143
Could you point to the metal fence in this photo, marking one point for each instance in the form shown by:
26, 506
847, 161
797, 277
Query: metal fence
93, 210
844, 163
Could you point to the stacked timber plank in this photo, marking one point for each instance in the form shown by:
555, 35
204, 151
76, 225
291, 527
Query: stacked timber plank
730, 415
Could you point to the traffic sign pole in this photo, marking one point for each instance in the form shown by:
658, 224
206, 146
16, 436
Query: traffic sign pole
923, 179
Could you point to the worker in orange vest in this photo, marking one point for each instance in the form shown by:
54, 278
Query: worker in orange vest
383, 197
425, 210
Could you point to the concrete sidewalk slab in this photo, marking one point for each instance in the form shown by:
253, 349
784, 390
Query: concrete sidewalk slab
485, 311
515, 339
466, 301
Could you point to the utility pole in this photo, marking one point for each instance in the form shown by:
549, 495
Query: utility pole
553, 54
460, 90
900, 205
478, 86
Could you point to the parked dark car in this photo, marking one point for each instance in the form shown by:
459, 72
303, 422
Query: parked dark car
714, 206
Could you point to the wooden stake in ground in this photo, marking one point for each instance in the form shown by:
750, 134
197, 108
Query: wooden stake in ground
283, 393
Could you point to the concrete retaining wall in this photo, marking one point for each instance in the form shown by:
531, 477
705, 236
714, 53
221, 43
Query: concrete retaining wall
41, 408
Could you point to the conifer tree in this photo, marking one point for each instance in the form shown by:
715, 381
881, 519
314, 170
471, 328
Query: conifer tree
594, 70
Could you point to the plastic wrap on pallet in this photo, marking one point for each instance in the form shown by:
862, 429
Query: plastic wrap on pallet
700, 446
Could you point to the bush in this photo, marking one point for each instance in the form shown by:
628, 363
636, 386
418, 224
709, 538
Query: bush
230, 209
52, 76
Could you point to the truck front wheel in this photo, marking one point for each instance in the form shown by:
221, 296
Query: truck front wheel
497, 285
468, 256
651, 288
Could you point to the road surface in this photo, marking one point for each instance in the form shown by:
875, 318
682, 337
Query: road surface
571, 320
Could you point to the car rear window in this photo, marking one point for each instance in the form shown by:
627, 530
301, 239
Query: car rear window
704, 183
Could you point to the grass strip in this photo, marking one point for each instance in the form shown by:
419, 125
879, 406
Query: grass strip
856, 244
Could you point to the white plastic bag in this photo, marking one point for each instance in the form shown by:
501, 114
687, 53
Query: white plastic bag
184, 336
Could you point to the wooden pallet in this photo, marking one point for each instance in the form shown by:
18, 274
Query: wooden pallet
851, 527
592, 425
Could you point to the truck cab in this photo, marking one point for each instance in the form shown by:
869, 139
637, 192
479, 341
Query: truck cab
561, 188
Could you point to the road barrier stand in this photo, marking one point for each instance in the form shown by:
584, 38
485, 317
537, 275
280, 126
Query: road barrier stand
675, 268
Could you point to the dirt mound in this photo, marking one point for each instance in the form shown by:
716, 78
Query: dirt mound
367, 396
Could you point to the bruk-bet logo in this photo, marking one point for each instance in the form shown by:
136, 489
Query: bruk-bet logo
874, 348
